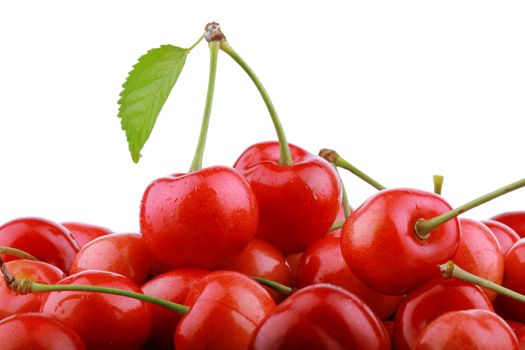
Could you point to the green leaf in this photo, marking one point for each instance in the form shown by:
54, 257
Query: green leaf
146, 89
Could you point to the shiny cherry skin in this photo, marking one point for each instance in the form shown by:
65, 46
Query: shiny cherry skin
36, 330
480, 253
225, 309
514, 279
319, 317
293, 262
122, 253
37, 271
199, 219
520, 334
102, 321
46, 240
468, 330
83, 233
297, 203
173, 286
379, 243
340, 216
323, 262
269, 150
505, 235
430, 300
261, 259
513, 219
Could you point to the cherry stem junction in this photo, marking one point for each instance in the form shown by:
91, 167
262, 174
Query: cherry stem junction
438, 183
336, 225
278, 287
17, 252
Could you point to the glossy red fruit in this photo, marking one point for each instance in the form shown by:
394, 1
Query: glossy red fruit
429, 301
199, 219
340, 216
226, 308
468, 330
514, 279
297, 203
40, 272
321, 317
504, 234
173, 286
46, 240
102, 321
378, 240
269, 150
323, 262
513, 219
83, 233
520, 334
122, 253
37, 331
480, 253
262, 259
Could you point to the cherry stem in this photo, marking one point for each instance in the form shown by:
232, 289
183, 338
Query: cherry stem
196, 43
449, 269
199, 152
346, 204
423, 227
334, 157
336, 225
17, 252
285, 154
278, 287
438, 183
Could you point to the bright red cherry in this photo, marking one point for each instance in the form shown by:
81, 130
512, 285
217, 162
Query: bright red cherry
37, 331
103, 321
269, 150
44, 239
468, 330
40, 272
504, 234
83, 233
297, 203
199, 219
340, 216
381, 246
514, 279
122, 253
430, 300
319, 317
513, 219
323, 262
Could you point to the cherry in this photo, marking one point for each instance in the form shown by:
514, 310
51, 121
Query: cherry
430, 300
293, 262
122, 253
323, 262
513, 219
83, 233
466, 330
11, 303
504, 234
340, 217
520, 334
44, 239
37, 331
102, 321
321, 316
514, 279
264, 151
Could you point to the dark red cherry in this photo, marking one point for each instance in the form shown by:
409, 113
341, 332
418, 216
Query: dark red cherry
513, 219
504, 234
514, 279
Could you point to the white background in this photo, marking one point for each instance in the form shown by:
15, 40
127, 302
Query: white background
403, 89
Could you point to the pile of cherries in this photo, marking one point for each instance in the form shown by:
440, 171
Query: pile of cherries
268, 254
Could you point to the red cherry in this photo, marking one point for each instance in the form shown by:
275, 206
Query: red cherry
44, 239
173, 286
226, 307
431, 300
468, 330
514, 279
199, 219
261, 259
269, 150
323, 262
504, 234
297, 203
480, 253
513, 219
40, 272
520, 334
293, 262
340, 216
103, 321
381, 246
83, 233
321, 317
122, 253
37, 331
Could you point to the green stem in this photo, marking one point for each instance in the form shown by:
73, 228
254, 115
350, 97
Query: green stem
449, 269
423, 227
337, 225
278, 287
196, 43
17, 252
346, 205
438, 183
285, 155
199, 152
